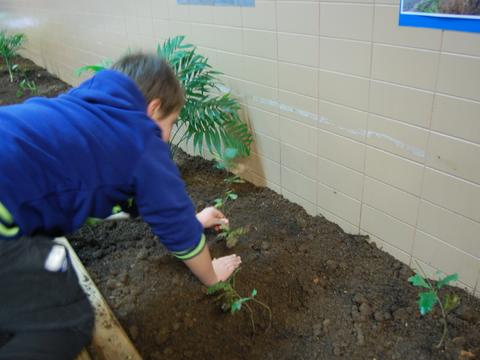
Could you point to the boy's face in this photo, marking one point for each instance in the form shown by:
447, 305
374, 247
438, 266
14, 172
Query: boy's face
165, 123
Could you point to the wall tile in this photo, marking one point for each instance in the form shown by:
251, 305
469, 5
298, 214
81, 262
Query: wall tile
160, 28
459, 76
390, 200
159, 9
228, 63
341, 178
350, 21
417, 68
264, 122
443, 256
227, 15
260, 43
337, 55
298, 79
394, 170
344, 89
260, 181
177, 12
449, 227
462, 197
390, 230
386, 30
180, 28
298, 17
256, 95
260, 71
298, 49
454, 156
401, 103
456, 117
342, 120
343, 224
338, 204
264, 167
228, 39
298, 107
300, 135
262, 16
202, 14
339, 149
298, 184
461, 43
302, 162
267, 147
401, 139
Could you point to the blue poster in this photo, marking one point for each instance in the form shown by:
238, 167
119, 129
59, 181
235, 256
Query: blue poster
247, 3
460, 15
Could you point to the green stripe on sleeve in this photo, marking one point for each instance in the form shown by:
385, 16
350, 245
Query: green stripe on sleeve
8, 232
188, 254
5, 215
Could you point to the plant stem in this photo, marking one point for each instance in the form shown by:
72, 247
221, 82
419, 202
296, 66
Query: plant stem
269, 312
9, 69
444, 315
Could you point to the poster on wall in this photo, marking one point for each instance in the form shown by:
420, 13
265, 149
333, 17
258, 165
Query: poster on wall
460, 15
247, 3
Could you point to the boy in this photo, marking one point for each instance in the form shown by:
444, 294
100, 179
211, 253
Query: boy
74, 156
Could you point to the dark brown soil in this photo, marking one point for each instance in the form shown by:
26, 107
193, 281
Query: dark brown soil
46, 84
332, 295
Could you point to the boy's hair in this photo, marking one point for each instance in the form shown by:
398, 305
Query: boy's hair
155, 79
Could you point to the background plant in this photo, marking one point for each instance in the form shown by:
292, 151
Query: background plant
9, 45
208, 117
428, 299
27, 85
232, 302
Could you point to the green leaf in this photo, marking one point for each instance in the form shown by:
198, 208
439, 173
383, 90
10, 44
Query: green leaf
451, 302
236, 306
419, 281
254, 293
446, 280
426, 301
220, 286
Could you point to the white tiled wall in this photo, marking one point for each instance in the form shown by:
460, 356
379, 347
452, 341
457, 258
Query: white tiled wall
372, 125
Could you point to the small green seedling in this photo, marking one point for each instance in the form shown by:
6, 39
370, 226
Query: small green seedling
428, 299
9, 45
232, 302
220, 202
105, 64
234, 179
231, 236
27, 85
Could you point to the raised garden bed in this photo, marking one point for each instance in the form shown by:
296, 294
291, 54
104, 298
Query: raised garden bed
331, 294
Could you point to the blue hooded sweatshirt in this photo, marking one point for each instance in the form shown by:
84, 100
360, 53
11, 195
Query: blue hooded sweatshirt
76, 156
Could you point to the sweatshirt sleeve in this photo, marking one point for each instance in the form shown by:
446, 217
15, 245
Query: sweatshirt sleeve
164, 204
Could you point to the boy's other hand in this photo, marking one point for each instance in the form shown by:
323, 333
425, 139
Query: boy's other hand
225, 266
211, 216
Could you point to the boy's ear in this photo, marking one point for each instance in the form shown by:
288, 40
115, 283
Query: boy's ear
154, 109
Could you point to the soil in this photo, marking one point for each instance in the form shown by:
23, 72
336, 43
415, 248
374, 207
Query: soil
332, 295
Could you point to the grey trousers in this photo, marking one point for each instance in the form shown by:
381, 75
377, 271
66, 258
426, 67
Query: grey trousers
41, 302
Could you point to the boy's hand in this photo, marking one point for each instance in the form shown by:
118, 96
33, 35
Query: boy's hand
211, 216
225, 266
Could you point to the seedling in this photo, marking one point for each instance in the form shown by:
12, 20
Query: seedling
9, 45
232, 302
428, 299
231, 236
220, 202
27, 85
234, 179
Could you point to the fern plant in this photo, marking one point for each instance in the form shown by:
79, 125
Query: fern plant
9, 45
208, 116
